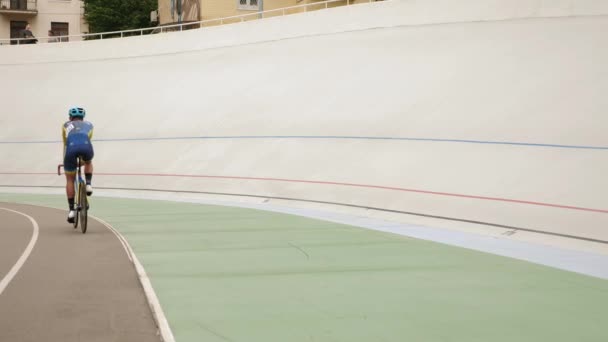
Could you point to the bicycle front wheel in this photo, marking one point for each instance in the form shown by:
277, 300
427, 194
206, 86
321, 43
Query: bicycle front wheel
83, 204
77, 199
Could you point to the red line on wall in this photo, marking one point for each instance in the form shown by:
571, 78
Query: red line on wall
486, 198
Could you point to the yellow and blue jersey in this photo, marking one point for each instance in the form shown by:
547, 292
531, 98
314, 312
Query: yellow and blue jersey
77, 135
77, 132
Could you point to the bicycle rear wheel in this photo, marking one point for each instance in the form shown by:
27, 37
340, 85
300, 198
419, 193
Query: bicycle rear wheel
83, 204
77, 205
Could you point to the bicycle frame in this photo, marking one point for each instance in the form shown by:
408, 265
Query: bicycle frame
78, 182
80, 197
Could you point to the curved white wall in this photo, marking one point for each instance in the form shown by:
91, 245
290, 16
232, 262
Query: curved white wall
495, 71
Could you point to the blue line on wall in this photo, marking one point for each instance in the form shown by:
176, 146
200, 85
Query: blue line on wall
326, 137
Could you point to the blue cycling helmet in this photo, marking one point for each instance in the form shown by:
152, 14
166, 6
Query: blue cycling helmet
77, 112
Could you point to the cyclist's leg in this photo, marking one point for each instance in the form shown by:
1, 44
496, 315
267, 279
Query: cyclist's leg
69, 167
87, 156
88, 167
69, 187
70, 175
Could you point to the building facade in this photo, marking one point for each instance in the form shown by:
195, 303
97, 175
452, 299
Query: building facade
213, 9
46, 17
183, 11
178, 11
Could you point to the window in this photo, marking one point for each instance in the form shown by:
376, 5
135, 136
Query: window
248, 5
16, 28
20, 5
60, 29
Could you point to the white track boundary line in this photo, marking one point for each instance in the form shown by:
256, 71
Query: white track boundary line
26, 253
157, 311
120, 238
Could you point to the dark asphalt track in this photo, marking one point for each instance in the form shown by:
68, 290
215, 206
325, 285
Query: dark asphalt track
73, 287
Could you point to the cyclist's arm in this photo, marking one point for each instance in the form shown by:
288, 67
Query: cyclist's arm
64, 136
91, 133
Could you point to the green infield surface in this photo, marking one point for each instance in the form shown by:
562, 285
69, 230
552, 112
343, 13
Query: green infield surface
234, 274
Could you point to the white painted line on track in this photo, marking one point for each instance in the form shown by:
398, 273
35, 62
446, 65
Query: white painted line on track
26, 253
122, 240
157, 311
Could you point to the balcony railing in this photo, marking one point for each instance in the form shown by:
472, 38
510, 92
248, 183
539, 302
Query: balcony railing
12, 6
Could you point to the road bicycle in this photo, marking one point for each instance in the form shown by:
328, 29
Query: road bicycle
81, 202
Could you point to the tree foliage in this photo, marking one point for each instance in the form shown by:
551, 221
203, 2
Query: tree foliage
118, 15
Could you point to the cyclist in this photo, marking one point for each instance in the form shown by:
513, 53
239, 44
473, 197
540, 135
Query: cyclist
77, 135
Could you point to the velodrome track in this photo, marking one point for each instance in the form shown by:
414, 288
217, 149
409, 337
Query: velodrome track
228, 273
478, 126
64, 286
